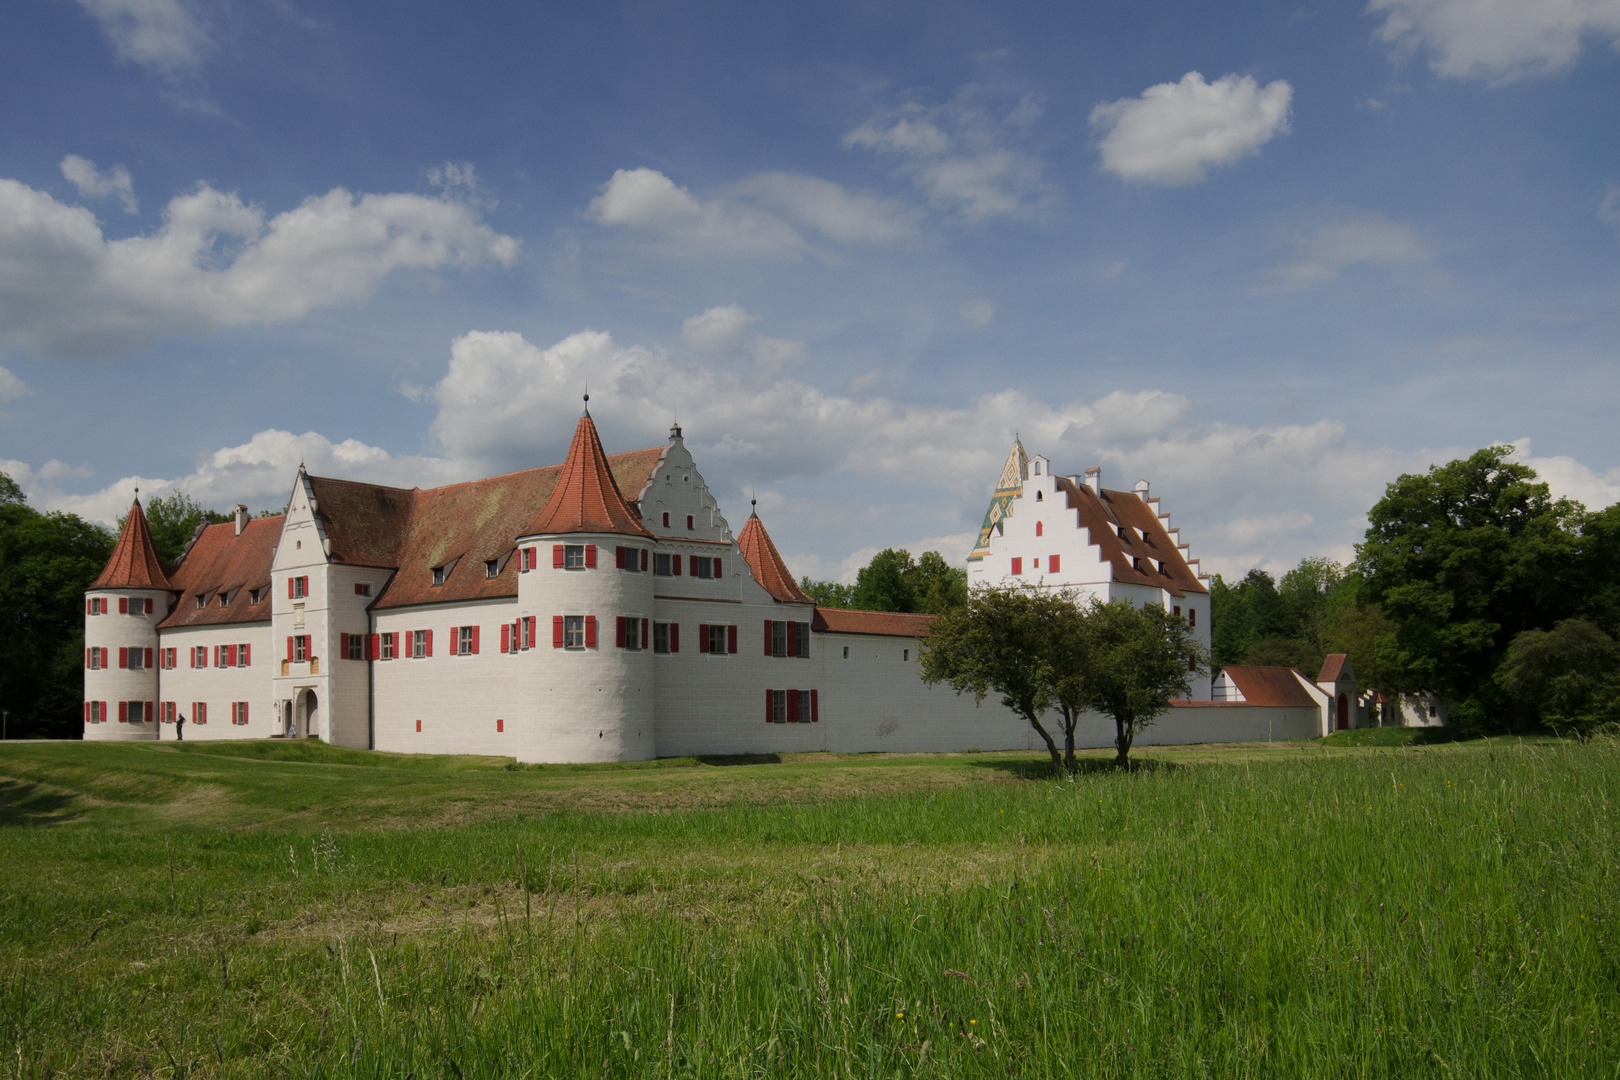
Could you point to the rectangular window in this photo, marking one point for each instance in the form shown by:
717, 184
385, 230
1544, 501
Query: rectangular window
703, 567
419, 644
688, 522
464, 640
492, 568
239, 712
298, 648
1018, 566
779, 639
663, 637
717, 639
666, 519
136, 656
199, 656
362, 588
388, 646
199, 712
804, 707
802, 646
219, 656
529, 560
1055, 563
629, 632
297, 588
573, 556
778, 707
573, 631
1192, 616
97, 715
168, 712
171, 658
438, 575
357, 646
92, 659
224, 598
661, 563
137, 712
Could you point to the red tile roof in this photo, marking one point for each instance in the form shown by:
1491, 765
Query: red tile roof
587, 498
134, 563
1333, 667
881, 623
460, 525
1270, 685
220, 561
1145, 555
769, 570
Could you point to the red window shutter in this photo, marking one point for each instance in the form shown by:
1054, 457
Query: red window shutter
731, 639
590, 631
506, 637
793, 639
428, 650
373, 646
1055, 564
123, 656
675, 561
151, 706
87, 712
87, 658
289, 588
123, 605
643, 633
618, 631
768, 696
703, 637
1018, 566
618, 557
343, 646
644, 560
230, 656
149, 605
674, 637
557, 556
244, 712
455, 641
193, 652
534, 640
793, 706
105, 656
590, 556
693, 565
556, 631
717, 573
87, 603
475, 640
767, 637
815, 708
123, 712
289, 648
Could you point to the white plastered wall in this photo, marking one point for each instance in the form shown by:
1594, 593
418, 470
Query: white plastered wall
302, 552
219, 687
113, 684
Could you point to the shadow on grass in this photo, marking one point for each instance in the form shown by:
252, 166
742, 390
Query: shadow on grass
740, 759
25, 804
1399, 736
1041, 768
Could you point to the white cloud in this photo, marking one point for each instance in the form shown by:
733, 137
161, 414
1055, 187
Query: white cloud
777, 355
11, 387
977, 312
1500, 41
1373, 241
961, 154
1570, 479
95, 184
719, 330
1174, 132
216, 261
164, 36
737, 222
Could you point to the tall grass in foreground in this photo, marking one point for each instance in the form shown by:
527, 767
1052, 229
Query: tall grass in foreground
1443, 912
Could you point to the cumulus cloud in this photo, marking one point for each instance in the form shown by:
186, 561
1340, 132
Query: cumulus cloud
1371, 241
1499, 41
215, 261
166, 37
719, 330
1570, 479
1174, 132
753, 217
962, 155
95, 184
11, 387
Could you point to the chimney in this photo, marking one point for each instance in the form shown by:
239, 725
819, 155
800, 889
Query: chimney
1142, 490
1094, 479
241, 518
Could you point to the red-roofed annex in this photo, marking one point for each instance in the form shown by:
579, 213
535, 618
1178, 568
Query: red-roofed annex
596, 610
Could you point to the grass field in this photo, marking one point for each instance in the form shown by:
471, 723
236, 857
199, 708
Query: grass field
1299, 910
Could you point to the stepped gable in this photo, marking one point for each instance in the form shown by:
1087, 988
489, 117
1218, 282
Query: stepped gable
1137, 556
134, 563
878, 623
463, 526
769, 570
219, 561
587, 497
1270, 686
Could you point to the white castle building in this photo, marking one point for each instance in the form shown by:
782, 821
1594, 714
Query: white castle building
599, 610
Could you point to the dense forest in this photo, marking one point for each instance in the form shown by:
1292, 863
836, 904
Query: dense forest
1471, 581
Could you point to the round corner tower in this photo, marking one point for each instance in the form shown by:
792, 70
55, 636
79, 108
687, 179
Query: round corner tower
122, 610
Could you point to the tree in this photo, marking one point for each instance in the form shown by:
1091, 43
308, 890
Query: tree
1136, 661
893, 581
1570, 674
173, 520
1463, 558
46, 563
937, 586
1245, 614
1000, 642
884, 584
827, 593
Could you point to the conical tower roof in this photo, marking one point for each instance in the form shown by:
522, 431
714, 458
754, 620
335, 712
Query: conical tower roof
134, 563
587, 499
763, 559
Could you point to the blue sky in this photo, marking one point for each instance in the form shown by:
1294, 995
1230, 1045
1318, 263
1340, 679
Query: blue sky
1267, 256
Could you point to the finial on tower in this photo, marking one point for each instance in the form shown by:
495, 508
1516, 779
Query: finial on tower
587, 403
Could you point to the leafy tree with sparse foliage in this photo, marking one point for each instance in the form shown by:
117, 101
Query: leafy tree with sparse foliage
46, 563
894, 581
1135, 661
173, 520
1570, 674
827, 593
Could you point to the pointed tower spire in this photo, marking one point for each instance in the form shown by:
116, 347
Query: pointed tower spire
769, 570
134, 563
586, 498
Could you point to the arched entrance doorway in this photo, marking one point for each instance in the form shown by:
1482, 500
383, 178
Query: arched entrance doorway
303, 715
1344, 711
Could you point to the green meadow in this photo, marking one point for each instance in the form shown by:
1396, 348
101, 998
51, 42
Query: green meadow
1356, 907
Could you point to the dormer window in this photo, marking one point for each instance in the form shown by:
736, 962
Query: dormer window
492, 568
438, 575
224, 599
254, 596
202, 600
